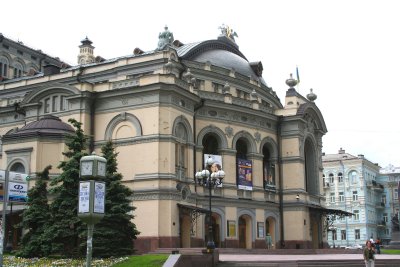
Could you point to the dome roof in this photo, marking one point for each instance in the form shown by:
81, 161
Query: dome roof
48, 125
222, 53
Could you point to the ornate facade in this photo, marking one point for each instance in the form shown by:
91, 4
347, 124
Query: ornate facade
164, 110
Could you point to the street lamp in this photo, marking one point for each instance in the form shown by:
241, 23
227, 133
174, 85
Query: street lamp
210, 177
91, 196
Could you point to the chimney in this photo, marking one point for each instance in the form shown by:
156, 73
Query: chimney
341, 151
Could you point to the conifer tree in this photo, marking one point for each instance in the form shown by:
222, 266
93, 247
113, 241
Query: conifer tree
65, 227
35, 219
114, 234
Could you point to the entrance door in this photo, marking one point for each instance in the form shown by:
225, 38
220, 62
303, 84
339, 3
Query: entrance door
242, 233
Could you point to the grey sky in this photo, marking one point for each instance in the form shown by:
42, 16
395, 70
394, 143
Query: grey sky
347, 51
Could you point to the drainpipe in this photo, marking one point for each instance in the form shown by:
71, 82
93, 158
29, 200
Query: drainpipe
279, 139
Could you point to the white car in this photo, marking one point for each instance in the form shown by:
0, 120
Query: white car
356, 246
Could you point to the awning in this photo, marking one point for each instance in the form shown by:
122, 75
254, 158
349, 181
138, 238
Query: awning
192, 208
325, 211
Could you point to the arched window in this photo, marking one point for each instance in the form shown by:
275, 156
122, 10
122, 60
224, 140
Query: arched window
181, 151
18, 70
17, 167
353, 176
340, 177
54, 103
331, 178
244, 166
268, 168
3, 67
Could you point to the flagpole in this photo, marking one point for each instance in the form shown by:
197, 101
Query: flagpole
298, 79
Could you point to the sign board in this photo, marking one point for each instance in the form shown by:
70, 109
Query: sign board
99, 197
17, 187
17, 192
84, 194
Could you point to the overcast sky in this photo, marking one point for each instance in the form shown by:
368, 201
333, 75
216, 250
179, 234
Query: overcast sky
347, 51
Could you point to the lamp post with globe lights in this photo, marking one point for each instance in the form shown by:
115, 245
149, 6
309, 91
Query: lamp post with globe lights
210, 178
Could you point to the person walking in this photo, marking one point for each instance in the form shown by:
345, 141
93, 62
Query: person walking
268, 240
378, 244
369, 254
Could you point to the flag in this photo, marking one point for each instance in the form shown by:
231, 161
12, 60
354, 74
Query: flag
297, 74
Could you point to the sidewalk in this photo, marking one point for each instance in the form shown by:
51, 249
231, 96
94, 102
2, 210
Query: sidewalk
314, 257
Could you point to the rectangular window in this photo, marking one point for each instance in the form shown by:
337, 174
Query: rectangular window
334, 235
332, 197
63, 103
355, 196
356, 215
387, 231
55, 104
396, 196
341, 196
357, 233
343, 234
47, 105
385, 217
383, 199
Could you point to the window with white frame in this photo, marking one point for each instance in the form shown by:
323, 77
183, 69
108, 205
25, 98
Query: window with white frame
343, 234
332, 198
356, 215
341, 196
353, 176
383, 199
357, 233
355, 196
396, 194
331, 179
334, 235
54, 103
385, 217
340, 177
387, 231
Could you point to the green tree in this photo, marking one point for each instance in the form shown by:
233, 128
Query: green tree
114, 234
35, 219
65, 226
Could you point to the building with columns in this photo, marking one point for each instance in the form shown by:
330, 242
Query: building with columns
166, 110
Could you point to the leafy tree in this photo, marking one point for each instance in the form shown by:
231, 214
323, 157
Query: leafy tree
65, 227
114, 234
36, 218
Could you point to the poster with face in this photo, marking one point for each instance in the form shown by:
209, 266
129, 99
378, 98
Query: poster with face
217, 159
245, 174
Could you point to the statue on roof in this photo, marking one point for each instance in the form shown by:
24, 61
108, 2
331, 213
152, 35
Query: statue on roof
228, 32
165, 38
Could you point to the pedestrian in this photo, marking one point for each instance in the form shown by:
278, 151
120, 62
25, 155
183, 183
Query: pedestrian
268, 240
378, 243
369, 254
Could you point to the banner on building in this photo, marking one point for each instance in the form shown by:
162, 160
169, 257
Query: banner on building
269, 175
245, 176
17, 192
217, 159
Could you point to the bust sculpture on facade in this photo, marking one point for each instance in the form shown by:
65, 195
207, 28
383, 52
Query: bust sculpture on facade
165, 38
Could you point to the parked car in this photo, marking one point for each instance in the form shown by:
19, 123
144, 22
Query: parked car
356, 246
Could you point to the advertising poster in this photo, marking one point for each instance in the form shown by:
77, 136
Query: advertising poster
269, 174
231, 228
217, 160
99, 197
17, 192
245, 178
84, 193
